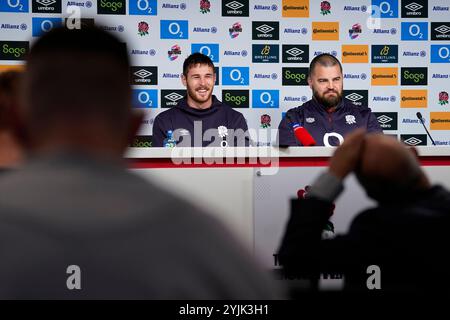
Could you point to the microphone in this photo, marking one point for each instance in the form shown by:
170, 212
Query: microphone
419, 116
301, 133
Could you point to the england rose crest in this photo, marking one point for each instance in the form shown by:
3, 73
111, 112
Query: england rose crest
443, 98
143, 28
265, 121
325, 8
204, 6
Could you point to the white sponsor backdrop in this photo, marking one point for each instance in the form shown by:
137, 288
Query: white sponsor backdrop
419, 30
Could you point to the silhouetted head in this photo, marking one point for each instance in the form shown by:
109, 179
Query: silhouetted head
389, 171
10, 82
77, 92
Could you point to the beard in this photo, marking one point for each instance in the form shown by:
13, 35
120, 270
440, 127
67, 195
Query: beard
328, 101
197, 97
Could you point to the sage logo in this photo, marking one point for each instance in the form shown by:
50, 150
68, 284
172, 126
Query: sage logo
295, 76
13, 50
141, 142
208, 49
414, 31
414, 8
385, 8
235, 8
440, 53
387, 120
46, 6
143, 7
265, 30
43, 25
235, 76
414, 76
414, 139
293, 53
144, 75
145, 98
111, 7
385, 53
440, 31
357, 97
14, 6
236, 98
265, 98
266, 53
170, 98
174, 29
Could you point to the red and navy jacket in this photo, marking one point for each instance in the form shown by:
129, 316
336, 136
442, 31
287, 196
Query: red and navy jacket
327, 128
182, 117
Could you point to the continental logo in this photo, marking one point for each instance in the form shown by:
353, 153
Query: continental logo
15, 67
325, 31
355, 54
440, 120
384, 76
295, 8
413, 98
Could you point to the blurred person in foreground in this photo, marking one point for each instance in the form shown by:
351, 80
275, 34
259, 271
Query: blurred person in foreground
74, 223
11, 149
405, 236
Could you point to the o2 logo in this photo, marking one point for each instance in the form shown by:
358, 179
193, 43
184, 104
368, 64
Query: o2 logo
209, 49
14, 6
143, 7
266, 99
384, 8
145, 98
43, 25
235, 76
440, 53
174, 29
414, 31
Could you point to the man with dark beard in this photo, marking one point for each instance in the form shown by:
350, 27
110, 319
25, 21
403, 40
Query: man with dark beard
199, 119
327, 116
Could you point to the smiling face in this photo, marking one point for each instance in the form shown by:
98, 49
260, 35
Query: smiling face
199, 82
327, 85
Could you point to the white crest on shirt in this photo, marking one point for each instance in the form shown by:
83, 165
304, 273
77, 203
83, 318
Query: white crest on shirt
310, 120
350, 119
222, 131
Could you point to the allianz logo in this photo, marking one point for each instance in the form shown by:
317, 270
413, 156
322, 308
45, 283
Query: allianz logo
384, 99
361, 76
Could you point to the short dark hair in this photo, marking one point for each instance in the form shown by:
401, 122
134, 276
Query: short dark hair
194, 59
325, 60
76, 74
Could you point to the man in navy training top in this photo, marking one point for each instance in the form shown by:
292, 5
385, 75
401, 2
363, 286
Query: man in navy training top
327, 116
199, 119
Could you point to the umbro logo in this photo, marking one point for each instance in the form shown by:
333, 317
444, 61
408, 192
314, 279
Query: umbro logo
173, 96
234, 5
383, 119
46, 3
413, 6
265, 28
354, 97
142, 73
294, 52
